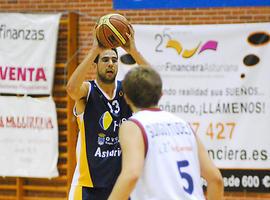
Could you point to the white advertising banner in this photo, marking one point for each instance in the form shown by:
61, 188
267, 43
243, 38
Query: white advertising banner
217, 78
27, 52
28, 137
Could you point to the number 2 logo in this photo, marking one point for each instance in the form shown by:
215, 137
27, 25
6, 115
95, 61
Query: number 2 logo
182, 164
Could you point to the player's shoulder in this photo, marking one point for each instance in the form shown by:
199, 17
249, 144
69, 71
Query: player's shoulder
131, 123
119, 84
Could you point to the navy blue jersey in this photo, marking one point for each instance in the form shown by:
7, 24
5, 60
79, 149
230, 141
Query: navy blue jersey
99, 152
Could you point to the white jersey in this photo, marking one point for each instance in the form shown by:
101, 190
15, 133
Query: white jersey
171, 170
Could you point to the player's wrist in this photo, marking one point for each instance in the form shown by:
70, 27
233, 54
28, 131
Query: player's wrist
134, 52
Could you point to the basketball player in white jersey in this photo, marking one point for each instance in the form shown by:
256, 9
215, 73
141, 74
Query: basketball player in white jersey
162, 158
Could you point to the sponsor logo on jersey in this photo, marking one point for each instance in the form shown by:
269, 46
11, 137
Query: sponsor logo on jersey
107, 153
105, 120
121, 93
101, 138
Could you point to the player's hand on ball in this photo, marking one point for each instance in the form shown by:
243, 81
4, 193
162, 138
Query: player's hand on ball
130, 45
96, 44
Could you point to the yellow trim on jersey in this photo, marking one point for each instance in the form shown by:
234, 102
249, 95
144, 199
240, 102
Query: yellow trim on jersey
84, 177
105, 20
78, 193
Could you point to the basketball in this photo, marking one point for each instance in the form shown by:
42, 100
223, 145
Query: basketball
112, 29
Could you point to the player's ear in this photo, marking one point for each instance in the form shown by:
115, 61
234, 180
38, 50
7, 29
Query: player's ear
94, 66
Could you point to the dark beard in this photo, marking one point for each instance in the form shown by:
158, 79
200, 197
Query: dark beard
103, 79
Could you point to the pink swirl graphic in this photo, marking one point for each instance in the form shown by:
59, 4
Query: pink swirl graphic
209, 45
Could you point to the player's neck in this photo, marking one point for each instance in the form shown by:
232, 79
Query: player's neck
108, 88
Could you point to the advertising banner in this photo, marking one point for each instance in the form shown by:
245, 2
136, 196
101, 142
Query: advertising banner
173, 4
216, 77
28, 137
27, 52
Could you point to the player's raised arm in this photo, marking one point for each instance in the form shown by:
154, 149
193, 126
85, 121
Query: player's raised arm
75, 87
133, 51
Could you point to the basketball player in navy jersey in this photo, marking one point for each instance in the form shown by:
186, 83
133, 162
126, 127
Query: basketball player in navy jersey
162, 159
100, 108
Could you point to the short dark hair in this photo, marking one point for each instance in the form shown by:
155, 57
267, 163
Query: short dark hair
143, 86
114, 49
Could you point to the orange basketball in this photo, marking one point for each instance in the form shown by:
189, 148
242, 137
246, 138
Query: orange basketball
112, 29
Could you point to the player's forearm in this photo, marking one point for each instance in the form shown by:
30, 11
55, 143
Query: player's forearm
123, 187
215, 190
140, 60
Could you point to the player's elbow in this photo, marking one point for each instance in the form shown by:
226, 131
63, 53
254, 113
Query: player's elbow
132, 177
219, 181
216, 178
71, 91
